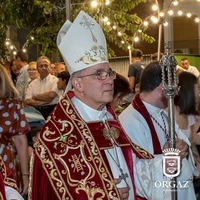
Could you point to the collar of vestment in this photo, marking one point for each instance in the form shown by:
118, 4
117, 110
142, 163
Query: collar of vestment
140, 107
89, 114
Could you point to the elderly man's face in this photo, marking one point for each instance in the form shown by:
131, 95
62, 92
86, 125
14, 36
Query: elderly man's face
93, 91
43, 68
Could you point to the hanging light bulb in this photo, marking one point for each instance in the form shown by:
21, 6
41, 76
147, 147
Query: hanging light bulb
154, 7
136, 38
170, 12
154, 19
180, 12
162, 14
7, 43
146, 23
189, 15
175, 3
107, 2
108, 23
114, 27
119, 34
105, 19
197, 20
165, 24
94, 3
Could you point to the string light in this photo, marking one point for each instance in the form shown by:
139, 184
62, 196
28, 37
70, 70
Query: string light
175, 3
165, 24
189, 15
146, 23
162, 14
107, 3
119, 34
154, 18
12, 48
197, 20
108, 23
136, 39
170, 12
154, 7
180, 12
94, 4
105, 19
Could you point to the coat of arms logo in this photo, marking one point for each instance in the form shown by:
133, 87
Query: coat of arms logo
171, 162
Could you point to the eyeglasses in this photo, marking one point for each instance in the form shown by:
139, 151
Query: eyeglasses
102, 75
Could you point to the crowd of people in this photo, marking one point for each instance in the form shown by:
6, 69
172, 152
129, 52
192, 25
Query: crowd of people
79, 130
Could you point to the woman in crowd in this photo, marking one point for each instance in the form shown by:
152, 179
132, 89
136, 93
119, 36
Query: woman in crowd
32, 71
186, 111
13, 129
13, 71
186, 107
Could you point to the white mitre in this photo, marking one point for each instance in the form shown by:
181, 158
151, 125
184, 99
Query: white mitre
82, 43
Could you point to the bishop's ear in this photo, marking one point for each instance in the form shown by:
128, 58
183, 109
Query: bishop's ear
77, 84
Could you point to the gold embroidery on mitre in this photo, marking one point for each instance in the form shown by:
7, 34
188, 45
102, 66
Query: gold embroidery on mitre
97, 52
110, 133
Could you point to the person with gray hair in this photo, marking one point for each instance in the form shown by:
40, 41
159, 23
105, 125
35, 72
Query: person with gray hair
42, 93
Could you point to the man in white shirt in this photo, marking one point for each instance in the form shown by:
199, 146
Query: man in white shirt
42, 93
186, 65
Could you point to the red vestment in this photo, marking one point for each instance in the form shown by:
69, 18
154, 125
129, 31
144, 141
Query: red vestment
140, 107
69, 160
6, 179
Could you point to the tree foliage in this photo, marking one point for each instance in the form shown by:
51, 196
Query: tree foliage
43, 19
